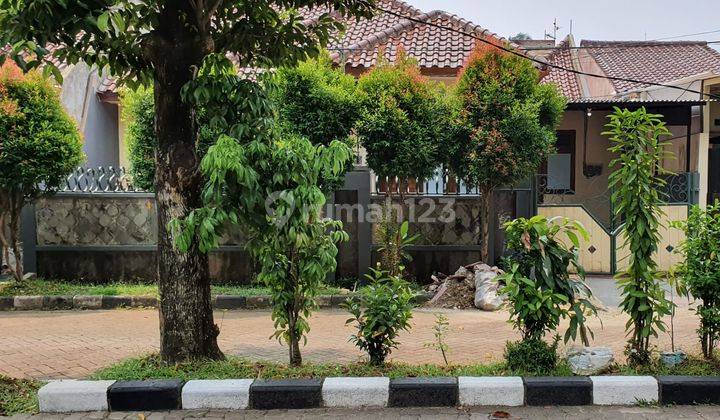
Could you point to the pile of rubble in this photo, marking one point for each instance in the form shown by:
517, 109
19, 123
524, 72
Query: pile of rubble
472, 286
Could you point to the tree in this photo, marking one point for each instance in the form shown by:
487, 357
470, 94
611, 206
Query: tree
163, 43
403, 120
39, 146
317, 101
506, 126
521, 36
402, 125
700, 271
636, 182
138, 110
270, 186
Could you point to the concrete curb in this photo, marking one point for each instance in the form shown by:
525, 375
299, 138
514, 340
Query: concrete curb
92, 302
261, 394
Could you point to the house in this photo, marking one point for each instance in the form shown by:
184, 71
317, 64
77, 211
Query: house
574, 182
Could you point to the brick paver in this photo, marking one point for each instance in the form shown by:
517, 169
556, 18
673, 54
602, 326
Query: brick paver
574, 413
72, 344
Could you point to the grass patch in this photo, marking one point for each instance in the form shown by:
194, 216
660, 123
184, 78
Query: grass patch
50, 287
151, 367
693, 366
18, 396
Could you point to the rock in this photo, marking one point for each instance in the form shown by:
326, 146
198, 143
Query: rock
29, 276
487, 289
344, 291
589, 360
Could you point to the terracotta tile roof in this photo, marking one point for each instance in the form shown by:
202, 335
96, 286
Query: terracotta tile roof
432, 47
657, 62
361, 40
567, 82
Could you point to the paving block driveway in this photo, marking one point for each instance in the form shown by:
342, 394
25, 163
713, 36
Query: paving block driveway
73, 344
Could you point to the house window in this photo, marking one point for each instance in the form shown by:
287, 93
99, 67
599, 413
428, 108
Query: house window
560, 166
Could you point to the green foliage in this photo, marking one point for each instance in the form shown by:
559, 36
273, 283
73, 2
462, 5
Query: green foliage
41, 287
213, 115
700, 270
507, 122
440, 330
382, 310
394, 239
127, 37
153, 367
636, 183
318, 102
270, 187
39, 146
538, 284
18, 396
403, 120
181, 48
505, 128
138, 111
532, 355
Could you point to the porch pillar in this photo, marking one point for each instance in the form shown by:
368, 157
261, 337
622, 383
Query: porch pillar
703, 150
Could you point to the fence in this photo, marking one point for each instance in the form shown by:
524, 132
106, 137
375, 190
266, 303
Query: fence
605, 252
100, 229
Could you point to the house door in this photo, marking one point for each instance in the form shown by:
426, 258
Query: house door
714, 170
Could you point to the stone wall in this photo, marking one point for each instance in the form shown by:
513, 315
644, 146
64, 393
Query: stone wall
103, 237
105, 220
112, 237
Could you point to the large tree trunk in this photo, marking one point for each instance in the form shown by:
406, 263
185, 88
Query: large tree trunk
187, 329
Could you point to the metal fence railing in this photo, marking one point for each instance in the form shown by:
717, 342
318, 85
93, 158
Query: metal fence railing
99, 179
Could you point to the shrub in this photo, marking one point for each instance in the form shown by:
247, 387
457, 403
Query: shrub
506, 126
394, 238
39, 146
381, 310
538, 284
700, 270
533, 356
403, 120
636, 181
138, 111
317, 101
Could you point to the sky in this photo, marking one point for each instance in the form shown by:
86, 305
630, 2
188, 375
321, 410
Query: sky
594, 20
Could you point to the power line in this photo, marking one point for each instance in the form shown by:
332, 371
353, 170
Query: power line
540, 62
465, 50
687, 35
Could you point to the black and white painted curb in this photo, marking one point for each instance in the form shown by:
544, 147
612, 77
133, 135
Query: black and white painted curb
239, 394
86, 302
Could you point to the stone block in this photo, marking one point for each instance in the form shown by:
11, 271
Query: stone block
115, 302
144, 302
491, 391
58, 302
229, 302
87, 302
356, 392
688, 390
423, 392
151, 395
257, 302
7, 303
72, 396
543, 391
28, 303
624, 390
285, 394
232, 394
